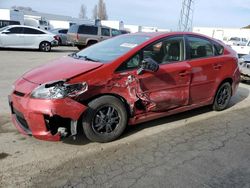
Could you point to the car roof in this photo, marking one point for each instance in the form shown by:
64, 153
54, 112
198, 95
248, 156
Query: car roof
172, 33
26, 26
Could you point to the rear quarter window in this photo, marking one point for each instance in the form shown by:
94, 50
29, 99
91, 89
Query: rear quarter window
219, 49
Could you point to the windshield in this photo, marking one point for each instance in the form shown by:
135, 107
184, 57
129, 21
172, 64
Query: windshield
111, 49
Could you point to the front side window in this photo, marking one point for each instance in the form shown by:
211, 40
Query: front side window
200, 48
16, 30
169, 50
166, 51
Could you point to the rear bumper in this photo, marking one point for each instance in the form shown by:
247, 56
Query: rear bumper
31, 116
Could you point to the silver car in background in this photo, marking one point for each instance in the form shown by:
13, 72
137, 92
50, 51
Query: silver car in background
62, 35
27, 37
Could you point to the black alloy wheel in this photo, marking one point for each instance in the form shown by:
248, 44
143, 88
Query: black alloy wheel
222, 97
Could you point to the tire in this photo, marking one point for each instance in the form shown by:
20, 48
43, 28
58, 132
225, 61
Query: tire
80, 47
45, 46
105, 119
222, 97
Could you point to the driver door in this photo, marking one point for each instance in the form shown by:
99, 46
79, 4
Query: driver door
168, 88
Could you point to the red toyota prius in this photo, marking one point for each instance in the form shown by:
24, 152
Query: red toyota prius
123, 81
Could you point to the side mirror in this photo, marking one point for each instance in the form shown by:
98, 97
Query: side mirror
148, 64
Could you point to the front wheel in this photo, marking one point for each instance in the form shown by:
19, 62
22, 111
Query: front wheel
222, 97
45, 47
105, 119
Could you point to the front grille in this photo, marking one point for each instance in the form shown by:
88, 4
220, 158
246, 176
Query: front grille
19, 93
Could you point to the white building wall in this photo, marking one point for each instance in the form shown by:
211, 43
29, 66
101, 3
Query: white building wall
223, 33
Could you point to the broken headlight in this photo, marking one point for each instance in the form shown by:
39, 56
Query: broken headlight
59, 90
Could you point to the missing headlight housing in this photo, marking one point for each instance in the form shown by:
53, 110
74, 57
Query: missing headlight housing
59, 90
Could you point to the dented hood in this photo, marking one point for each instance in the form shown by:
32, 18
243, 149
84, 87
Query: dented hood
64, 68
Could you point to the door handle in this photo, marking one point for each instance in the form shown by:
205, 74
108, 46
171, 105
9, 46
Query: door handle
217, 66
184, 73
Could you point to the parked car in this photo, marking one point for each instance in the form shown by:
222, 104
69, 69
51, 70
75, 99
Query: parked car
123, 81
62, 35
20, 36
236, 41
244, 64
87, 35
4, 23
243, 49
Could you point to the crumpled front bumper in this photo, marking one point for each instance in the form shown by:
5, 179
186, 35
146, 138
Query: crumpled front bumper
28, 115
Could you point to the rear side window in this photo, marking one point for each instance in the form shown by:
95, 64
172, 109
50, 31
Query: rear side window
89, 30
200, 48
16, 30
64, 31
32, 31
115, 32
73, 29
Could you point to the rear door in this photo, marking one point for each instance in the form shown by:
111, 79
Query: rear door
14, 38
206, 67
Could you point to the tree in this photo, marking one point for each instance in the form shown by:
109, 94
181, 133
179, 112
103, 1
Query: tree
95, 13
83, 11
99, 11
102, 12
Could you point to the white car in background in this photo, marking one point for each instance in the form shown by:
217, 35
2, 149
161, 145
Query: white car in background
243, 49
236, 41
20, 36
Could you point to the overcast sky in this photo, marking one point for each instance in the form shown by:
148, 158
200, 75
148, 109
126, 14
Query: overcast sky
160, 13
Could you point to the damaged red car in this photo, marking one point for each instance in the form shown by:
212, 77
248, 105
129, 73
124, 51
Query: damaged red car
123, 81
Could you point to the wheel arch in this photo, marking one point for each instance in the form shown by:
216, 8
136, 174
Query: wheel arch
122, 99
228, 79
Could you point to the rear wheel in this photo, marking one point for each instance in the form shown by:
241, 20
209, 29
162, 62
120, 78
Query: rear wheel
222, 97
45, 46
105, 120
